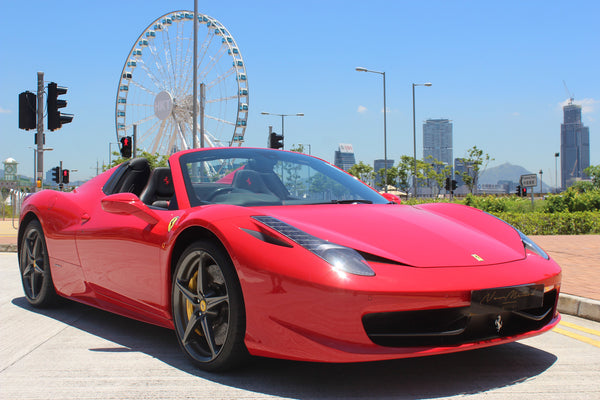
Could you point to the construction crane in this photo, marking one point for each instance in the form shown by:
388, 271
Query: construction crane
569, 94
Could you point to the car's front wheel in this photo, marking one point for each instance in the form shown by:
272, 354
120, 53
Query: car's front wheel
34, 266
208, 307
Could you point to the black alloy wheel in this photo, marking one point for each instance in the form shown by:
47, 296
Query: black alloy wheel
208, 308
34, 266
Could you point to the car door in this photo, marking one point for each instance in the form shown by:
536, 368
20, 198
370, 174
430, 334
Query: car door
123, 259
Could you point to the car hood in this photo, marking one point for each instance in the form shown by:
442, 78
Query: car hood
431, 235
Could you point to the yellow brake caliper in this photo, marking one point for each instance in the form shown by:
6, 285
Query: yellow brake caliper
193, 285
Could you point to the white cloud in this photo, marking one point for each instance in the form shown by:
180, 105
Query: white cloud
4, 111
362, 109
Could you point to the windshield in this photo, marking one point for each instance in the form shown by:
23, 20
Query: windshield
258, 177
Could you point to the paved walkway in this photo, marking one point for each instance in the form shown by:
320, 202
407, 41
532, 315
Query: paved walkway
579, 258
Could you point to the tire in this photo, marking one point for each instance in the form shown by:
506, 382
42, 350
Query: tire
208, 308
34, 266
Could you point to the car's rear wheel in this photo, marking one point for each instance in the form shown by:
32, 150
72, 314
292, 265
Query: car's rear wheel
208, 308
34, 266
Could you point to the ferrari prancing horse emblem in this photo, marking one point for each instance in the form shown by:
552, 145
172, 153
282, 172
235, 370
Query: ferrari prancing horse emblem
475, 256
172, 223
498, 323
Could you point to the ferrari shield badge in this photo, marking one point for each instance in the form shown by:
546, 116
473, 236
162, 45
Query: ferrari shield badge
172, 223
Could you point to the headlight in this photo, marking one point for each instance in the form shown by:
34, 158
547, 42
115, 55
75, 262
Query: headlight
531, 246
527, 243
339, 257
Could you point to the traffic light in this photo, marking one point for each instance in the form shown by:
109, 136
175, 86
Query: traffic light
56, 174
27, 110
447, 184
453, 184
55, 118
126, 146
519, 190
524, 191
275, 141
65, 176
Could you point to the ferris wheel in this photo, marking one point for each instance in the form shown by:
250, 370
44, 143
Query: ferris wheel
155, 89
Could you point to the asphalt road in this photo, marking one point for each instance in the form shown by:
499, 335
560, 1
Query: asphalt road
78, 352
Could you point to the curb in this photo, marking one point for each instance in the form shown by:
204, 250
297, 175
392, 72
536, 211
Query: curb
579, 306
567, 303
8, 248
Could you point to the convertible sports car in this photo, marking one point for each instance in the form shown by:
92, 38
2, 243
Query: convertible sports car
272, 253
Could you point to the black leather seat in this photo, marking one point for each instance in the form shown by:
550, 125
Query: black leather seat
160, 189
249, 180
134, 178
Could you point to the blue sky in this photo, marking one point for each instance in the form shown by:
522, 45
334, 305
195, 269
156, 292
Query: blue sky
497, 70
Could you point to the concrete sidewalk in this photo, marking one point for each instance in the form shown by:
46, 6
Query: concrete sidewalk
578, 256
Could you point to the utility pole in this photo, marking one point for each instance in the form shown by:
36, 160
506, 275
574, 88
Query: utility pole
39, 138
202, 106
134, 145
60, 177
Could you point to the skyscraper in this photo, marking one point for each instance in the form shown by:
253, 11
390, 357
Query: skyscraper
437, 140
574, 145
344, 157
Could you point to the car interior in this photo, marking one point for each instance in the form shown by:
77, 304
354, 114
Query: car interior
154, 188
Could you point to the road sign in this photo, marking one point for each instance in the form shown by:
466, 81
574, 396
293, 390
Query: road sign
529, 180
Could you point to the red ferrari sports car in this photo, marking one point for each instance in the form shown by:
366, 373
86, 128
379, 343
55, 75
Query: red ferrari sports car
272, 253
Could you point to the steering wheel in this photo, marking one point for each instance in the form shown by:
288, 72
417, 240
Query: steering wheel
219, 191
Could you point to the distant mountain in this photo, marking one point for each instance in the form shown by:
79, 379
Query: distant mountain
507, 172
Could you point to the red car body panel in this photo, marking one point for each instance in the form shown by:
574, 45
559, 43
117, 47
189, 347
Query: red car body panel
297, 306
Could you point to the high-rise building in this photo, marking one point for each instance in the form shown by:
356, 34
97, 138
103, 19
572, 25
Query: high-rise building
344, 157
574, 145
437, 140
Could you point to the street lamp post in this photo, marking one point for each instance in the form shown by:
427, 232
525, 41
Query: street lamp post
415, 137
555, 172
385, 165
282, 117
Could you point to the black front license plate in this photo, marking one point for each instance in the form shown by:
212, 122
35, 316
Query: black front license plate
510, 298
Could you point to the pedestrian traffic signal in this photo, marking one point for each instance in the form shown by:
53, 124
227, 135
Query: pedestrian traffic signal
275, 141
65, 176
519, 190
126, 147
56, 174
55, 118
27, 110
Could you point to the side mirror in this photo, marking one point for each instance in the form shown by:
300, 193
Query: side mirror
392, 198
129, 204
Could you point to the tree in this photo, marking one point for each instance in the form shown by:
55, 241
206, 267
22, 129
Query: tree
437, 173
297, 148
405, 173
362, 171
155, 160
475, 162
593, 171
392, 174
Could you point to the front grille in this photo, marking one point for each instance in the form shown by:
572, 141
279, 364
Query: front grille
454, 326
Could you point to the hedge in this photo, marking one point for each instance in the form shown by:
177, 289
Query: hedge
562, 223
